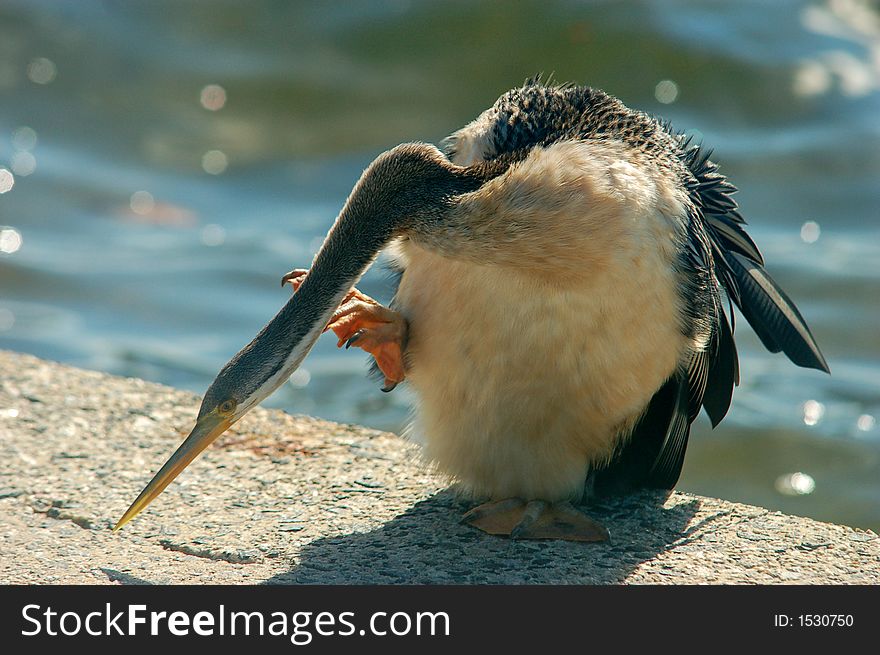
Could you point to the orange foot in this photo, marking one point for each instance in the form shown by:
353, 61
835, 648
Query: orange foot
535, 519
361, 321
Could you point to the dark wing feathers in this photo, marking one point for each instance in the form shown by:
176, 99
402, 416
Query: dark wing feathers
697, 376
716, 241
710, 375
654, 453
731, 236
739, 264
666, 469
773, 315
725, 373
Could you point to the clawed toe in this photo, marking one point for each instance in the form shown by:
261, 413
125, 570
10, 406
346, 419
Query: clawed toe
294, 278
362, 322
353, 340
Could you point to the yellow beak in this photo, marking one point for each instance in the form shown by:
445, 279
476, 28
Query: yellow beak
207, 429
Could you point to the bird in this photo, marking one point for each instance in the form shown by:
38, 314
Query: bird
566, 274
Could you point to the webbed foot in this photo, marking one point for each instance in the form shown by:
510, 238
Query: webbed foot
535, 519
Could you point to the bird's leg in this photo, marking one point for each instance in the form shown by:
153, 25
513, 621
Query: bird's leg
535, 519
361, 321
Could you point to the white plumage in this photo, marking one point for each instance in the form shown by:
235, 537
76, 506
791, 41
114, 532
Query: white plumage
538, 340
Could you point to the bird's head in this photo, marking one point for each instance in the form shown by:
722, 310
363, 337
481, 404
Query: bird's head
411, 185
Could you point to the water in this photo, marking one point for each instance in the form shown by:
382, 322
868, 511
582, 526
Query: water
151, 217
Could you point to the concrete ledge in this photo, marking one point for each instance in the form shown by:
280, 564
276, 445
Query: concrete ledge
290, 499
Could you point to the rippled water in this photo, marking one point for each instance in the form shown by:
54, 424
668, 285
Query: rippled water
166, 163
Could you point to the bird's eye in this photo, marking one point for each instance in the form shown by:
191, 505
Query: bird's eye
226, 406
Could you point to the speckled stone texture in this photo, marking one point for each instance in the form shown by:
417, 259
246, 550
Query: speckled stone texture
289, 499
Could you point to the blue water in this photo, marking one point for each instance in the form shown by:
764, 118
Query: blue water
135, 259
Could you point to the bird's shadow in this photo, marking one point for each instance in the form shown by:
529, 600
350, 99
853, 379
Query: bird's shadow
428, 545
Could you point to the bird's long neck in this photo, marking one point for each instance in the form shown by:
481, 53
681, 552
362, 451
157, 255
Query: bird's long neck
406, 188
348, 251
397, 194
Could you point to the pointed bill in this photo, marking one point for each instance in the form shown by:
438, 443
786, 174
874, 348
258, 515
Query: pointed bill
207, 429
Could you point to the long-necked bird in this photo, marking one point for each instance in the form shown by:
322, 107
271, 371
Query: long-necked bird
560, 311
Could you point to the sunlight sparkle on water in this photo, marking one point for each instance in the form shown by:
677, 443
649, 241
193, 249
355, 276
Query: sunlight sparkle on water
795, 484
24, 138
213, 97
142, 202
811, 79
866, 423
10, 240
212, 235
7, 180
41, 70
810, 232
813, 412
214, 162
666, 92
300, 377
23, 163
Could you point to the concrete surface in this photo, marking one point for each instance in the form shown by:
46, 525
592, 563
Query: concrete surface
289, 499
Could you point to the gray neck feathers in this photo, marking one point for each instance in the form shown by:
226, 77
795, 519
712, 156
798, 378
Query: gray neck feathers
410, 189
